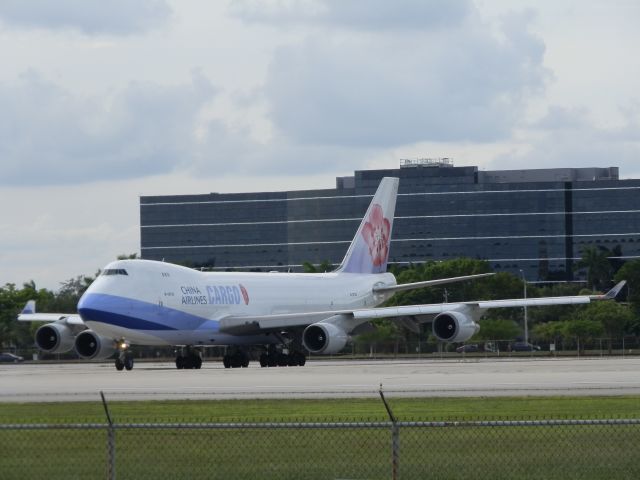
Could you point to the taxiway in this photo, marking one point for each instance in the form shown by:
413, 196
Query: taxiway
44, 382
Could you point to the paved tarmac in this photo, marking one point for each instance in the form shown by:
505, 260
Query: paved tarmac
46, 382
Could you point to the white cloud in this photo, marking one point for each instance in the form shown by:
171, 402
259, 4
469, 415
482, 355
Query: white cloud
49, 135
91, 17
372, 14
569, 137
465, 83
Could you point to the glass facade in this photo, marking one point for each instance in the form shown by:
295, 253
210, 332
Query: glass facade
535, 220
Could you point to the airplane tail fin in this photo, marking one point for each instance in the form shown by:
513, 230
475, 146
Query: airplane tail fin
369, 250
30, 307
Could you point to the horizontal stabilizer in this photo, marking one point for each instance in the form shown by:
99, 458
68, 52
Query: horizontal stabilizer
428, 283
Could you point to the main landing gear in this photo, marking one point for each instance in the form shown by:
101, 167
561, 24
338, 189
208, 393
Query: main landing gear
274, 358
189, 359
236, 359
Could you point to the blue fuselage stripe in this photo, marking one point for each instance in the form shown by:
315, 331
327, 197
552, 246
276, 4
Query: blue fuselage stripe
138, 315
117, 319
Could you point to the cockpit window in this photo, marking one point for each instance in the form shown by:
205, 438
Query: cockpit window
114, 271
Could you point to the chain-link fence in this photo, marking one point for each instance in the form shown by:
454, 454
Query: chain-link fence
570, 347
547, 449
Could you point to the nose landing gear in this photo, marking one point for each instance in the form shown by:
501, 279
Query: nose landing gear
124, 358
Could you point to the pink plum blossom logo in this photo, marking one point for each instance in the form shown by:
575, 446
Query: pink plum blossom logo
245, 294
376, 233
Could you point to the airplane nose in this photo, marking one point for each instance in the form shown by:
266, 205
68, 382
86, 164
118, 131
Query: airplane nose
94, 306
86, 305
100, 308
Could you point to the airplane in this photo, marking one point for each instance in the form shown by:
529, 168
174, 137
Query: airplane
145, 302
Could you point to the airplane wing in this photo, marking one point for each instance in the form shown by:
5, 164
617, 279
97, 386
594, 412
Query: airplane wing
28, 314
351, 319
70, 319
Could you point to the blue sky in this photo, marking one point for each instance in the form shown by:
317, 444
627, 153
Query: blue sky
105, 101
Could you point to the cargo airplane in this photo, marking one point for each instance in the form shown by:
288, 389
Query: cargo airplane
143, 302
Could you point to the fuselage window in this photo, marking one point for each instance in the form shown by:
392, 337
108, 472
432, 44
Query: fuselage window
114, 271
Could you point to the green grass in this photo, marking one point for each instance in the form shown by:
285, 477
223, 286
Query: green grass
324, 409
591, 452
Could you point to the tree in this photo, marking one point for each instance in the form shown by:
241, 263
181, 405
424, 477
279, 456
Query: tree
498, 329
599, 270
454, 291
549, 331
384, 332
583, 329
554, 313
12, 301
613, 317
630, 272
324, 266
70, 292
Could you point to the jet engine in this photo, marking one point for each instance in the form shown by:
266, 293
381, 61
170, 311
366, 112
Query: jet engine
91, 346
454, 327
54, 338
325, 338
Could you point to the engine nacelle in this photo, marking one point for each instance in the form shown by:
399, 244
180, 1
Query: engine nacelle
324, 338
91, 346
454, 327
54, 338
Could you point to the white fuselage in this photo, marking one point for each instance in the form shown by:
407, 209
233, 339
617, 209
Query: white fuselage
153, 303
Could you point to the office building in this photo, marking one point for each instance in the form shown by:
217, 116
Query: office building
537, 220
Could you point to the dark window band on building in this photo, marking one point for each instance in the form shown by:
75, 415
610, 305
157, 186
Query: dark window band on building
536, 220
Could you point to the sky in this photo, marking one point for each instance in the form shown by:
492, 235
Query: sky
104, 102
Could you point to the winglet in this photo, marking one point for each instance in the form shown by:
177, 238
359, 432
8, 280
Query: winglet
611, 294
30, 307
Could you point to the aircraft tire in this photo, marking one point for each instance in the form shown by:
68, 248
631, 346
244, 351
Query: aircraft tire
197, 362
226, 361
299, 359
264, 360
128, 362
119, 364
282, 360
179, 362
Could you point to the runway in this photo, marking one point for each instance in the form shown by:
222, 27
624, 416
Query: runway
33, 382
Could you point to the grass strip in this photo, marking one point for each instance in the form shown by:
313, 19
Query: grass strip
324, 409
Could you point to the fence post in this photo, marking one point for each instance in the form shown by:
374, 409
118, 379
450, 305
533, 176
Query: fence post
111, 442
395, 439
